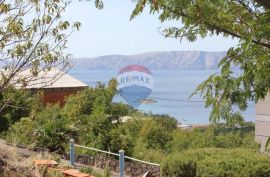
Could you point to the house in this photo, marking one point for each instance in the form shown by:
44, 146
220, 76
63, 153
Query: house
262, 125
55, 85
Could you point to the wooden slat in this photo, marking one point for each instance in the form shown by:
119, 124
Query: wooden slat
75, 173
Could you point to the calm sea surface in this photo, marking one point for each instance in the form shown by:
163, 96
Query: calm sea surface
170, 87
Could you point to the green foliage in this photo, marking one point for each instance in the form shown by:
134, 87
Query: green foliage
267, 145
51, 173
107, 172
95, 131
90, 111
89, 100
88, 117
118, 110
33, 36
87, 170
53, 131
216, 162
98, 3
141, 151
121, 138
169, 123
154, 135
218, 136
46, 129
22, 132
228, 91
91, 171
15, 104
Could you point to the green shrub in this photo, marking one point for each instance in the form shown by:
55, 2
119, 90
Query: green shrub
22, 132
167, 122
46, 129
16, 104
148, 154
84, 118
216, 163
154, 135
88, 170
53, 131
120, 138
215, 136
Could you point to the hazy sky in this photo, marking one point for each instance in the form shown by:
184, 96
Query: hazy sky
109, 31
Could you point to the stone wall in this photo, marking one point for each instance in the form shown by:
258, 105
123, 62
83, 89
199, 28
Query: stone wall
132, 168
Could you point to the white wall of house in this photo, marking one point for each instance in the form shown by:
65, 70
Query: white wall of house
262, 125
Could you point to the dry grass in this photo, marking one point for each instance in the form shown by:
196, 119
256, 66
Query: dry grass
12, 164
8, 153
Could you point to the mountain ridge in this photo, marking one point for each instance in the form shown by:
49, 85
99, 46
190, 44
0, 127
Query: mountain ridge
165, 60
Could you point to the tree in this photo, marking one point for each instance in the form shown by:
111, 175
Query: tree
23, 103
247, 20
33, 36
89, 111
52, 130
85, 118
118, 110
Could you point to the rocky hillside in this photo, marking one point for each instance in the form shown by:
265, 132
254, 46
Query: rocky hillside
171, 60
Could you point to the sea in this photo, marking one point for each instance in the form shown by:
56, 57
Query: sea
171, 90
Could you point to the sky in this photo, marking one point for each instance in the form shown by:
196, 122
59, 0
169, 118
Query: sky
109, 31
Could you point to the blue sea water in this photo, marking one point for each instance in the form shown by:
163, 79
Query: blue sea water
170, 87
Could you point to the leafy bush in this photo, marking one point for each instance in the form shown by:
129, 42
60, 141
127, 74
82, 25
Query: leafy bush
15, 104
166, 121
140, 151
45, 129
118, 110
216, 163
88, 170
154, 135
22, 132
87, 117
120, 138
215, 136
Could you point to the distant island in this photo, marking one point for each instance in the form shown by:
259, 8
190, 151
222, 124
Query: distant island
169, 60
147, 101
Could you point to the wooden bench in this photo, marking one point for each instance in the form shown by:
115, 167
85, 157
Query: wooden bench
74, 173
43, 163
51, 165
47, 163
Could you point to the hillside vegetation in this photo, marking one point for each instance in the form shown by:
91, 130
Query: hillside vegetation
87, 118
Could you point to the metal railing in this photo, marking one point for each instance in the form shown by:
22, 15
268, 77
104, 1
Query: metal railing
121, 156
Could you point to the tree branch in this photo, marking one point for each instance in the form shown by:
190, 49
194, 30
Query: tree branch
215, 27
